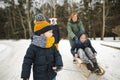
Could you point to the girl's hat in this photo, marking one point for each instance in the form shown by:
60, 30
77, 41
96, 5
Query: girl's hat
81, 32
42, 27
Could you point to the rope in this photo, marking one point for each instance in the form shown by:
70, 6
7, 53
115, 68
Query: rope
81, 71
70, 70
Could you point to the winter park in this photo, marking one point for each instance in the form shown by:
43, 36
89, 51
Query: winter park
59, 40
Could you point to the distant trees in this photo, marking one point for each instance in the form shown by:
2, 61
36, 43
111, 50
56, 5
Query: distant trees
98, 16
18, 19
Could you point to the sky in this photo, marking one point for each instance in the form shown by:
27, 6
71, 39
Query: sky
2, 4
39, 3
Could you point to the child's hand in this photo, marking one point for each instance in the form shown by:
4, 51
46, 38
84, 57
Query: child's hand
54, 68
57, 68
95, 54
76, 55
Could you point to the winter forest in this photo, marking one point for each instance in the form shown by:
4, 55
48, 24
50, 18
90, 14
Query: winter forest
33, 50
100, 17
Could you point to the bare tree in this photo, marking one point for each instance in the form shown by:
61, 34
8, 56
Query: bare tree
28, 16
53, 3
103, 28
10, 22
106, 10
22, 23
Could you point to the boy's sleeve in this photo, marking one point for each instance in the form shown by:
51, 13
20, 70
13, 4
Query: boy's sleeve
28, 60
93, 50
70, 32
73, 49
58, 34
58, 59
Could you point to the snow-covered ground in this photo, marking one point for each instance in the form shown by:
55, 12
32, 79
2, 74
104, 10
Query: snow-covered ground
110, 39
2, 47
12, 53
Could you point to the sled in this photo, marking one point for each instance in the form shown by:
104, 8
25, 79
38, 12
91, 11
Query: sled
102, 71
83, 68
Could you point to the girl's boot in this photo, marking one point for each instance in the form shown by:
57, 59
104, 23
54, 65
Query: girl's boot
96, 68
89, 66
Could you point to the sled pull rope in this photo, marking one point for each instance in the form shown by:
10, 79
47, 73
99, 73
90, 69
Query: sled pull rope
66, 69
70, 70
83, 75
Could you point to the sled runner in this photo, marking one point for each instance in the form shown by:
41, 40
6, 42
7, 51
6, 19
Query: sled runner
83, 69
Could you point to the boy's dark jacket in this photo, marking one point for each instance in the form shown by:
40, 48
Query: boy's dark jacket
56, 33
42, 59
77, 44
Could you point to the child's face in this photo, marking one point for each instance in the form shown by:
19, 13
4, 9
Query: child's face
83, 38
48, 34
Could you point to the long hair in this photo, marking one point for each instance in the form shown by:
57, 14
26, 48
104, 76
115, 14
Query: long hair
71, 16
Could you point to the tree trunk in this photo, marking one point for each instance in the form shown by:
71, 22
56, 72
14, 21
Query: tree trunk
28, 17
13, 13
91, 22
22, 23
51, 12
13, 20
53, 4
54, 12
11, 23
103, 29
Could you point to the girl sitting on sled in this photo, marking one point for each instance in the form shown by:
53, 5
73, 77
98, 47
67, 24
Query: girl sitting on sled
83, 49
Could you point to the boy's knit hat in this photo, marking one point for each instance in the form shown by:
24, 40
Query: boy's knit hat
40, 17
42, 27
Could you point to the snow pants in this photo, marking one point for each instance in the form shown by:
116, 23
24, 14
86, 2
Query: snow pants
86, 55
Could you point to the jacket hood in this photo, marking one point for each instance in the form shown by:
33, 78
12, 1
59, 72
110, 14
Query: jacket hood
80, 33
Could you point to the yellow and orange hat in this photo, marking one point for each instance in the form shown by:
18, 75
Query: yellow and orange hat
42, 27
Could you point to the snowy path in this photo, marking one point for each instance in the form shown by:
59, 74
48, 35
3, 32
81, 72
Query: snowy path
12, 53
112, 44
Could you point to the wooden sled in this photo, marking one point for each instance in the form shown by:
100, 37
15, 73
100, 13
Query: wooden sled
83, 68
102, 71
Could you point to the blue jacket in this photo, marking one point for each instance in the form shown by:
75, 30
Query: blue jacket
78, 45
